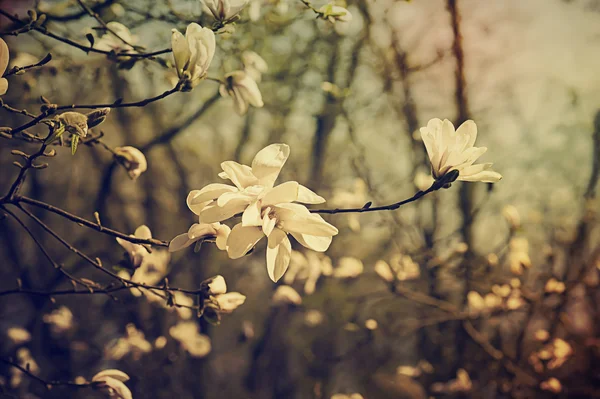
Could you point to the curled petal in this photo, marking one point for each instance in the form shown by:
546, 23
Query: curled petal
316, 243
241, 175
180, 242
112, 373
251, 216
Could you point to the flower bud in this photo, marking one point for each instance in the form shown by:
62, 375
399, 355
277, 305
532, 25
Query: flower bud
132, 159
217, 285
334, 13
74, 123
96, 117
229, 302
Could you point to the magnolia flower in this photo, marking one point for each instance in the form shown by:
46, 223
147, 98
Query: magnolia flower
4, 57
193, 53
266, 210
334, 13
254, 65
110, 42
229, 302
201, 232
136, 252
111, 382
225, 10
132, 159
244, 90
217, 285
450, 149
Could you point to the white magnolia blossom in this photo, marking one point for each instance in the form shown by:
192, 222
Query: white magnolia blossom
201, 232
334, 13
110, 42
193, 53
266, 210
112, 383
243, 89
217, 286
136, 252
254, 65
4, 57
229, 302
132, 159
449, 149
225, 10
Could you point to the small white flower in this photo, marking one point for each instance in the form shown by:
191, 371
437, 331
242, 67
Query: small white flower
136, 252
217, 286
110, 42
4, 57
254, 65
243, 89
193, 53
111, 382
450, 149
132, 159
201, 232
334, 13
225, 10
229, 302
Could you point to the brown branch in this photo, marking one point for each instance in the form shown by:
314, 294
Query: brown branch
47, 384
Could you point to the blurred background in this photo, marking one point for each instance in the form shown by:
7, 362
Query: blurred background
494, 288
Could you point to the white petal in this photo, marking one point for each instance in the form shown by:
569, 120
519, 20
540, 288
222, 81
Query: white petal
143, 232
181, 50
487, 176
4, 56
469, 129
111, 373
251, 216
241, 175
268, 163
279, 251
242, 239
180, 242
283, 193
3, 86
268, 224
200, 230
316, 243
307, 196
295, 218
222, 236
198, 199
215, 213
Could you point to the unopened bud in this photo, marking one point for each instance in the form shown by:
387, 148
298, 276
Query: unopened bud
74, 122
96, 117
132, 159
216, 285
